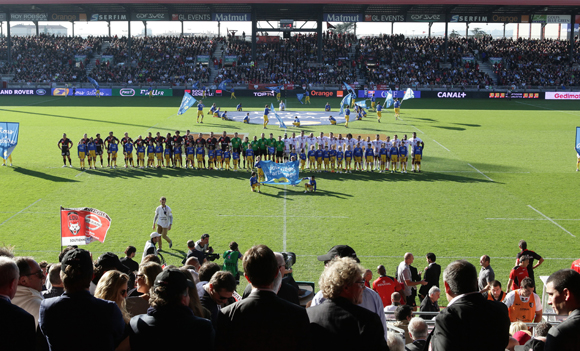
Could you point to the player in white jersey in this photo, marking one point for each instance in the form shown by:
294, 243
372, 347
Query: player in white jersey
340, 142
302, 139
414, 142
322, 140
396, 141
376, 147
288, 144
331, 140
311, 140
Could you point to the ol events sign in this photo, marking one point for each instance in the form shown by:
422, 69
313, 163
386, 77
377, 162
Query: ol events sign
574, 95
343, 17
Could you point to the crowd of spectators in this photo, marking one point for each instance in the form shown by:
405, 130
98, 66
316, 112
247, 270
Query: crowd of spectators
383, 59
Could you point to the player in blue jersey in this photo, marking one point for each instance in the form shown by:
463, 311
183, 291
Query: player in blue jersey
259, 169
140, 146
128, 150
327, 107
254, 184
200, 156
150, 154
403, 157
250, 156
394, 152
369, 157
302, 157
397, 107
347, 159
232, 95
219, 159
167, 154
266, 112
239, 107
383, 153
92, 149
358, 154
346, 116
373, 101
311, 185
294, 154
296, 122
311, 158
236, 159
333, 158
247, 118
159, 154
417, 156
307, 98
227, 158
189, 155
150, 92
212, 109
211, 158
82, 152
200, 111
379, 112
339, 159
332, 120
319, 154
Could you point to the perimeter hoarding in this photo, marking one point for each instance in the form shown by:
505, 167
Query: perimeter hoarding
81, 92
562, 95
140, 92
38, 92
385, 18
381, 94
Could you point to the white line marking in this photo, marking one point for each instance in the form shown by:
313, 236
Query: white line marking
447, 257
40, 102
478, 171
547, 108
441, 145
418, 129
551, 220
17, 213
532, 219
284, 236
81, 173
261, 216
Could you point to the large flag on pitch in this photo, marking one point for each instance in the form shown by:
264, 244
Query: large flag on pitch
222, 85
348, 88
347, 100
389, 100
93, 82
82, 226
282, 125
186, 103
281, 173
300, 97
8, 138
409, 94
578, 140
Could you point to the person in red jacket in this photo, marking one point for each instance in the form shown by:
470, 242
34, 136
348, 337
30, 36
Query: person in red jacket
518, 273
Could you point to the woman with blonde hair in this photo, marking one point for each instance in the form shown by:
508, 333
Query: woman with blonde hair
194, 302
144, 280
113, 286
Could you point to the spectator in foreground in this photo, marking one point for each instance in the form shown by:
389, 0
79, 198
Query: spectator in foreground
338, 323
194, 303
287, 291
524, 304
468, 316
17, 329
403, 315
262, 321
62, 313
29, 291
429, 304
56, 287
217, 292
538, 342
495, 293
418, 330
518, 273
138, 302
170, 316
395, 342
563, 288
128, 262
113, 286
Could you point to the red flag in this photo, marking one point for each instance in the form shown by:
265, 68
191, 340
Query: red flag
82, 226
330, 26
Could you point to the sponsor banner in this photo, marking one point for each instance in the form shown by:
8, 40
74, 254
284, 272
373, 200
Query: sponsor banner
39, 92
264, 93
3, 17
109, 17
497, 18
81, 92
203, 58
230, 60
68, 17
514, 95
384, 18
82, 226
150, 16
550, 95
268, 39
80, 58
196, 92
469, 18
342, 17
381, 94
29, 16
266, 86
417, 17
191, 17
558, 19
231, 17
327, 93
132, 92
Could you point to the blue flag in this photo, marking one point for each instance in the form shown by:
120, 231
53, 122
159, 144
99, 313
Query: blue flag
93, 82
186, 103
8, 138
362, 103
300, 97
348, 88
281, 173
389, 100
409, 94
578, 140
282, 125
195, 85
275, 89
222, 85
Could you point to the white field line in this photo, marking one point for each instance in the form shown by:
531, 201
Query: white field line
19, 212
551, 220
533, 219
80, 173
478, 171
418, 129
441, 145
456, 257
284, 233
263, 216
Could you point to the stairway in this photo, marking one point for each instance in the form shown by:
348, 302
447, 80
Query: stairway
218, 53
486, 67
93, 62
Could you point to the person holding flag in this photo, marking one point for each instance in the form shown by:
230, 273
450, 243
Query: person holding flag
266, 112
278, 95
307, 98
150, 92
332, 120
200, 111
347, 116
310, 186
373, 101
577, 163
9, 159
296, 122
397, 106
233, 95
379, 110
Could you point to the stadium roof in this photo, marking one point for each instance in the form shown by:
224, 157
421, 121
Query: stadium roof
299, 10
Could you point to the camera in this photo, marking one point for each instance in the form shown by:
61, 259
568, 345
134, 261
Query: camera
212, 256
290, 259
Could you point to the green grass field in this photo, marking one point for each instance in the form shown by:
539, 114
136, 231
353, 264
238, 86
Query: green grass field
494, 172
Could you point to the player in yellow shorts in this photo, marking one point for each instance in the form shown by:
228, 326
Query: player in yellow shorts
200, 111
296, 122
397, 107
159, 154
266, 120
279, 96
261, 176
233, 95
332, 120
247, 118
250, 157
254, 184
311, 158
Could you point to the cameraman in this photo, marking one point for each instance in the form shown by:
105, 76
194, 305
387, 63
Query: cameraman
203, 246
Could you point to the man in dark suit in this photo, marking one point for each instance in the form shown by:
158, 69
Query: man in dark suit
287, 291
338, 323
469, 316
262, 321
563, 288
17, 327
418, 330
431, 275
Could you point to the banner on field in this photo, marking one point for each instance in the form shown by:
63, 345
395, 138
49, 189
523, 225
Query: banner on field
82, 226
8, 138
281, 123
578, 140
281, 173
379, 94
186, 103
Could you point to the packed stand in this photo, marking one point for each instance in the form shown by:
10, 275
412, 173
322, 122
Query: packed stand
49, 58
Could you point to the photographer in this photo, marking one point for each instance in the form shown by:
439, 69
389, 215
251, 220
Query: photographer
203, 246
231, 258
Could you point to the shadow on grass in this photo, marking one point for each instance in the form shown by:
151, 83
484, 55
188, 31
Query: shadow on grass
459, 129
468, 125
42, 175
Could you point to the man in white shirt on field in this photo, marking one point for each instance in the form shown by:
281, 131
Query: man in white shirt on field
322, 140
414, 142
311, 140
164, 220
